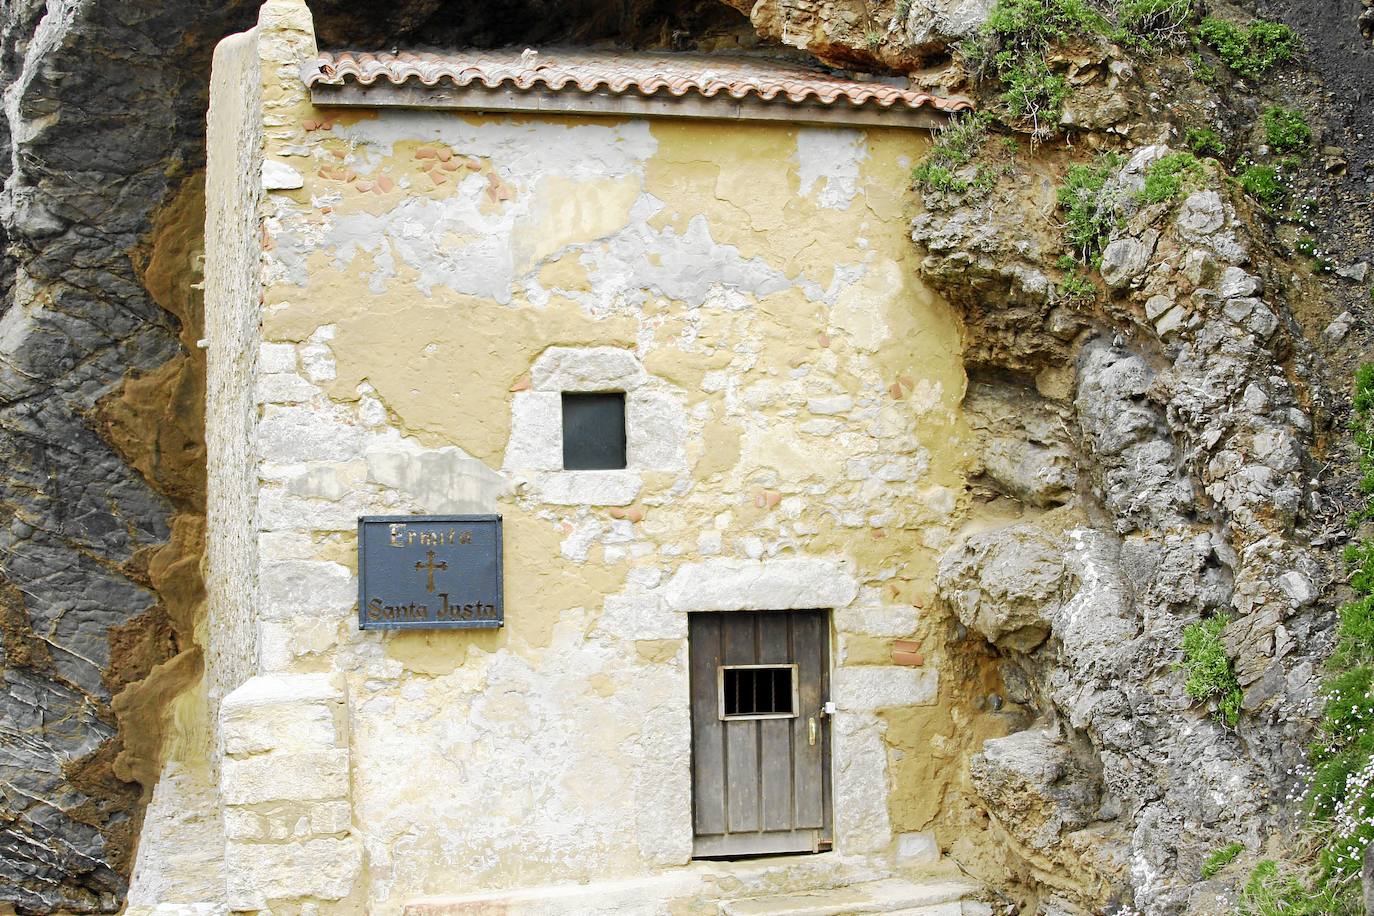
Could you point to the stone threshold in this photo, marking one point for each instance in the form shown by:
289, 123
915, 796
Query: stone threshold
814, 884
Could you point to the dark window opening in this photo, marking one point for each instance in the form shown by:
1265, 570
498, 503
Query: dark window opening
593, 432
758, 690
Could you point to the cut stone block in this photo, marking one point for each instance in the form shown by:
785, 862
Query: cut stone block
300, 776
882, 687
261, 872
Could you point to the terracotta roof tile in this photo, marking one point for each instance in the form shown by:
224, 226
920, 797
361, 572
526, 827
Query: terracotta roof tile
647, 73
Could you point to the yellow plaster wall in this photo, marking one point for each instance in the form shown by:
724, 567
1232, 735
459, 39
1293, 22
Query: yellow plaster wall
368, 267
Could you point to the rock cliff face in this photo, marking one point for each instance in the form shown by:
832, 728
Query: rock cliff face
99, 429
1185, 402
1173, 434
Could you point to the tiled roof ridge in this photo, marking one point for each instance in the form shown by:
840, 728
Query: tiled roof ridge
648, 73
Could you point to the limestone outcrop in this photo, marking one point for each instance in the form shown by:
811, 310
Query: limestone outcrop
1006, 584
1193, 399
901, 36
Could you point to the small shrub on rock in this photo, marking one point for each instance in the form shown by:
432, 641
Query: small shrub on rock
1262, 182
1286, 130
1088, 201
1220, 859
1271, 891
1076, 289
1251, 50
1152, 23
1034, 93
1202, 71
1166, 178
1014, 41
956, 146
1204, 141
1036, 24
1210, 676
1018, 34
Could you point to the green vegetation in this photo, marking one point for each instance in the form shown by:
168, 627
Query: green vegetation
938, 179
1088, 203
1210, 676
1220, 859
1033, 25
958, 143
1150, 23
1341, 794
1015, 39
1076, 288
1167, 176
1033, 93
1204, 141
1262, 182
1251, 50
1203, 72
1272, 891
1018, 34
1306, 245
1286, 130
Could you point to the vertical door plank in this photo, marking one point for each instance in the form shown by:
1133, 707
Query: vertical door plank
775, 772
708, 739
810, 641
742, 737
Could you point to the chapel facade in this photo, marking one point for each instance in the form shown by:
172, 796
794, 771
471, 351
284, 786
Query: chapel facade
637, 339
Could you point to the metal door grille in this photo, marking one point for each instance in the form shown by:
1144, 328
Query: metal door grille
758, 691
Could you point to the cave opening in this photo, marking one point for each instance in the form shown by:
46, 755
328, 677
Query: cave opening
697, 25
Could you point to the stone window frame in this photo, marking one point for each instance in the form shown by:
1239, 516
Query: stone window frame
655, 426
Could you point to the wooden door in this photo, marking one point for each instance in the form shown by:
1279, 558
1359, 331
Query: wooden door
760, 743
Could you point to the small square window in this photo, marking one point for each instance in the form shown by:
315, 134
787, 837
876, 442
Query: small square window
593, 432
758, 691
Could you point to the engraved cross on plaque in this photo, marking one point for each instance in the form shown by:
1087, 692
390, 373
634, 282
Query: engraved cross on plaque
430, 566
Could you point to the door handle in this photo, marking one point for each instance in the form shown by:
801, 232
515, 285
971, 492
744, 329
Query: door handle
811, 730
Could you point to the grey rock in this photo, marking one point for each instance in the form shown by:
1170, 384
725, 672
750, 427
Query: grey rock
1203, 219
1193, 461
1023, 443
1037, 785
1005, 584
1201, 215
1298, 587
1236, 283
1337, 330
1356, 272
932, 23
96, 136
1157, 305
1129, 440
1123, 261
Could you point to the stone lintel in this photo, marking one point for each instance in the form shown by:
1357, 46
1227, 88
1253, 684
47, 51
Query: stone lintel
784, 584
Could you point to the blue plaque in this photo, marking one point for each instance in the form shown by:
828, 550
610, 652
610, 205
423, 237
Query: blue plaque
424, 572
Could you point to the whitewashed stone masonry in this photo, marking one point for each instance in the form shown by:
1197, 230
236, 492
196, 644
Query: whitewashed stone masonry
285, 785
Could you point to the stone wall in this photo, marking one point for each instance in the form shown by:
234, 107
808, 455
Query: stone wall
233, 290
432, 282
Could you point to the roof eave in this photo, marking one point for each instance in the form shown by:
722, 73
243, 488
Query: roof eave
444, 95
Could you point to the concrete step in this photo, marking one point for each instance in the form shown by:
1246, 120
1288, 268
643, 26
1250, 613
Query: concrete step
890, 895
